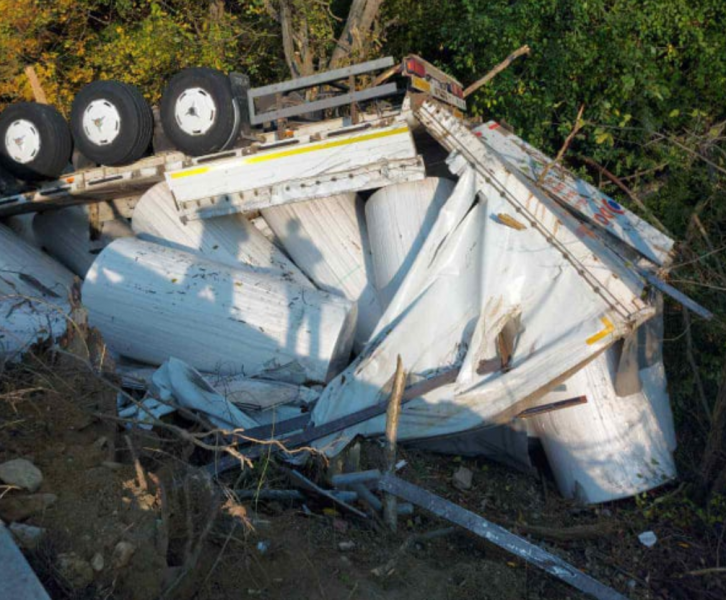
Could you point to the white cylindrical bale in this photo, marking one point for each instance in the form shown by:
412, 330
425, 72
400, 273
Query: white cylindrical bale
153, 302
22, 226
231, 240
327, 239
611, 447
398, 218
66, 235
33, 295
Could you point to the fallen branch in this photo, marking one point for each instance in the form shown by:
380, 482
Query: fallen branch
496, 70
140, 475
575, 129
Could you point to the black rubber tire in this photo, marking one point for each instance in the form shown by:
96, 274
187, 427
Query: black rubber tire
56, 144
136, 126
226, 125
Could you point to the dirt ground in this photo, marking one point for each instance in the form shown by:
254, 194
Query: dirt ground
283, 550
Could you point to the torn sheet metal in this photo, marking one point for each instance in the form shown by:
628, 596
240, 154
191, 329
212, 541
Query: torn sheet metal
33, 295
294, 171
151, 302
399, 218
327, 239
578, 195
66, 235
230, 240
613, 446
552, 298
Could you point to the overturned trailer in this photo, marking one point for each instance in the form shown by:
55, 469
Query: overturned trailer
514, 296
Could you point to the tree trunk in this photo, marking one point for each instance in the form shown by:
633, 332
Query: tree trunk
357, 29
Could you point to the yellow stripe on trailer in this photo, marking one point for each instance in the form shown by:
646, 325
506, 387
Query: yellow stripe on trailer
293, 152
190, 172
609, 328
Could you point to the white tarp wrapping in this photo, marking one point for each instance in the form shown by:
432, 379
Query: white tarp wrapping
33, 295
579, 195
230, 240
151, 302
611, 447
66, 235
512, 270
327, 239
398, 219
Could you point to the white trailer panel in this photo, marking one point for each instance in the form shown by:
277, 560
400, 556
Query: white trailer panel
578, 195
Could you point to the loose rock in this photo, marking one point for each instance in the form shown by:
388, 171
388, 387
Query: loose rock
346, 546
27, 536
122, 554
462, 478
97, 562
76, 571
21, 473
19, 508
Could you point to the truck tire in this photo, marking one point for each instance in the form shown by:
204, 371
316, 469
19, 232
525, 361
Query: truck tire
199, 112
35, 142
111, 123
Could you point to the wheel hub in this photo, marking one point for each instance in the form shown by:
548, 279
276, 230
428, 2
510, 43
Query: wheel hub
22, 141
195, 111
101, 122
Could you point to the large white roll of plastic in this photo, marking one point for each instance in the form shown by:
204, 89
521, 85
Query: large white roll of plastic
66, 235
33, 295
613, 446
398, 218
152, 302
231, 240
327, 239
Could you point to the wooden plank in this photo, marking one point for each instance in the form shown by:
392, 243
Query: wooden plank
498, 536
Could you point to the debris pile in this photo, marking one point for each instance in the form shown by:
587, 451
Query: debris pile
524, 305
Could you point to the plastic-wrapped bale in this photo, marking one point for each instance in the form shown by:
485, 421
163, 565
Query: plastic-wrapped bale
33, 295
613, 446
152, 302
22, 226
327, 239
66, 235
229, 240
398, 218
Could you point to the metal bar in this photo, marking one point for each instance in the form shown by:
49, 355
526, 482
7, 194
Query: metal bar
342, 99
319, 78
677, 295
498, 536
310, 434
304, 483
552, 406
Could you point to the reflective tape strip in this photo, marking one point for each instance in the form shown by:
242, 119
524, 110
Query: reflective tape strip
293, 152
609, 328
190, 172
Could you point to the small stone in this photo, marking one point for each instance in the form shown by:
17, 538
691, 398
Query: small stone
27, 536
462, 478
21, 473
122, 554
19, 508
346, 546
76, 571
648, 539
97, 562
